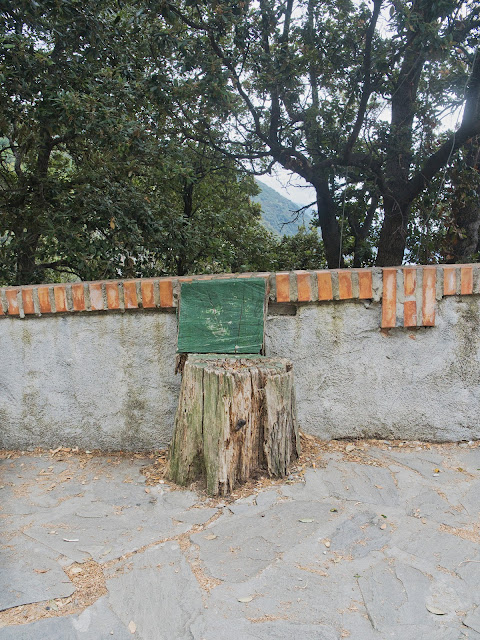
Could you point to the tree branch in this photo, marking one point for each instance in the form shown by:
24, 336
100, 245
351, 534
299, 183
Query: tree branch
367, 83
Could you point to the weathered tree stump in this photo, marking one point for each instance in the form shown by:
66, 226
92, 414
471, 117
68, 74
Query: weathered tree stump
236, 419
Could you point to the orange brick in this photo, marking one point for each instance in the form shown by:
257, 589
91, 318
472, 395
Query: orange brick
1, 309
130, 294
148, 298
365, 290
389, 301
166, 293
410, 313
96, 297
409, 283
283, 287
27, 297
324, 279
345, 285
428, 302
13, 309
113, 298
449, 281
44, 300
78, 295
466, 280
304, 286
60, 295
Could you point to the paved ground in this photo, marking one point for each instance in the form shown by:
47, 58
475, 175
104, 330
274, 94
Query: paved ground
375, 541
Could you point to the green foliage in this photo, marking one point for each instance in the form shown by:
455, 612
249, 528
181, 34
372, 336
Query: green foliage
95, 179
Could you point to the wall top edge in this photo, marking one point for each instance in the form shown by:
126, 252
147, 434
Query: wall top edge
390, 285
263, 274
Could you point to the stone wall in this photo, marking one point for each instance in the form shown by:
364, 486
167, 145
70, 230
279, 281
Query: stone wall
392, 353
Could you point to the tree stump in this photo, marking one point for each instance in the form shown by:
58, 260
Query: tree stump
236, 419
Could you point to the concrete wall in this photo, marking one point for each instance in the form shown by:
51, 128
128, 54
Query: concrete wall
93, 381
106, 379
355, 380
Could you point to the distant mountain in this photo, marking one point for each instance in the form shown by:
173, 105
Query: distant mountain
277, 211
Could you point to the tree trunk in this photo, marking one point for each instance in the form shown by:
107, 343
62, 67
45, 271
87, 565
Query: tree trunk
393, 236
236, 419
329, 226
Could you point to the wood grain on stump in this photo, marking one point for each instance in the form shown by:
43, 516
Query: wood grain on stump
236, 419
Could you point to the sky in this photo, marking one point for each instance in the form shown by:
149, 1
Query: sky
289, 186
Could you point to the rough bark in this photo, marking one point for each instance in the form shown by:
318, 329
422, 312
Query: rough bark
236, 419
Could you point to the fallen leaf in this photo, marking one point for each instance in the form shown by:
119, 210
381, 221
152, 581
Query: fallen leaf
41, 570
437, 612
77, 570
211, 536
306, 520
246, 599
378, 486
460, 469
132, 627
327, 543
334, 510
383, 526
436, 471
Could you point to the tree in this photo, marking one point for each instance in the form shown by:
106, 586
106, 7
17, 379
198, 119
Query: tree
95, 180
321, 89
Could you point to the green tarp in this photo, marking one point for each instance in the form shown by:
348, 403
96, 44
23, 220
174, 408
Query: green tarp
222, 316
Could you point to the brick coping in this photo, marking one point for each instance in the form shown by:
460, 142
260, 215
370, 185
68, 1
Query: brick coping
408, 293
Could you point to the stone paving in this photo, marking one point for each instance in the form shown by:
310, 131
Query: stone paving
376, 541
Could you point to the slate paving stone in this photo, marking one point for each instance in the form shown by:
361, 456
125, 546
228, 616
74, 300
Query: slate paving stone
97, 622
361, 483
158, 593
317, 558
28, 574
472, 619
241, 550
431, 505
196, 516
394, 595
429, 543
239, 629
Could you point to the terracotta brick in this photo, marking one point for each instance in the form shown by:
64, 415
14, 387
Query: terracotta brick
365, 290
148, 298
304, 286
96, 296
466, 280
389, 301
113, 297
27, 297
78, 296
44, 300
324, 279
345, 285
166, 294
60, 295
409, 283
13, 309
410, 313
283, 287
130, 294
449, 281
2, 313
428, 300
